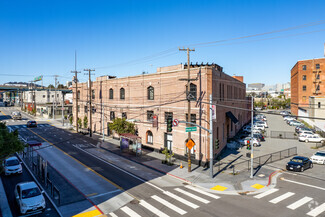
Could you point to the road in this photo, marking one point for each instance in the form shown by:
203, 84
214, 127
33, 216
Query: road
166, 196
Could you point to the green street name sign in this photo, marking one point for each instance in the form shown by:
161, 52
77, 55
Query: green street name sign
190, 129
39, 78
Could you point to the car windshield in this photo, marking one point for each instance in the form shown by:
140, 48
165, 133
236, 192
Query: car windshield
296, 160
320, 154
28, 193
12, 162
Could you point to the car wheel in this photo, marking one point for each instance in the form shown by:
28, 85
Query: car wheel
306, 141
302, 169
311, 165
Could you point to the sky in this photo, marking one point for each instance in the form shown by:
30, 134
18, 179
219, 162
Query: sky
125, 38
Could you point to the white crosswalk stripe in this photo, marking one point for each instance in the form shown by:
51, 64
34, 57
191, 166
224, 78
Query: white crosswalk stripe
169, 205
112, 214
130, 212
202, 192
318, 210
152, 209
299, 203
282, 197
266, 193
186, 202
192, 196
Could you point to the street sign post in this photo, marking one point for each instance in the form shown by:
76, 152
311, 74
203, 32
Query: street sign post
190, 129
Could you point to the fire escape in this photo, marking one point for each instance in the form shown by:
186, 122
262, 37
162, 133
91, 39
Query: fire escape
317, 80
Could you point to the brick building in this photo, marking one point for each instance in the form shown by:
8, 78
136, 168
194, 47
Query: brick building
163, 94
306, 81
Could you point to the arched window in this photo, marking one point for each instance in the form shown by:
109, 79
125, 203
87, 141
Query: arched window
122, 93
192, 92
111, 92
151, 93
149, 137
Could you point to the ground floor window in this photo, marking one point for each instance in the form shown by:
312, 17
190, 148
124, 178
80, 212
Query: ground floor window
149, 137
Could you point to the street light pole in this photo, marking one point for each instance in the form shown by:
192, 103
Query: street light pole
251, 143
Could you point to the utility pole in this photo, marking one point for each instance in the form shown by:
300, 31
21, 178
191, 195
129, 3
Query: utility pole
76, 82
62, 109
211, 138
54, 102
251, 143
90, 96
188, 103
102, 108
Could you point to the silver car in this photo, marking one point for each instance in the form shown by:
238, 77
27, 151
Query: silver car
12, 166
29, 198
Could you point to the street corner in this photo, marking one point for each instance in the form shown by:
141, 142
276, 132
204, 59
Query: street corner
91, 213
222, 188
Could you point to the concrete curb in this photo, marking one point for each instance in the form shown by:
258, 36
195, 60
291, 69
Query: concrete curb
4, 206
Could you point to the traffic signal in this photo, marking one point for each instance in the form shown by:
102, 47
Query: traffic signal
216, 142
169, 124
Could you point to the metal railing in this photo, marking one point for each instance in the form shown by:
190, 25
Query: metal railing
283, 135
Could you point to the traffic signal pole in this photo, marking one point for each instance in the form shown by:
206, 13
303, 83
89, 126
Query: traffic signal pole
251, 143
211, 138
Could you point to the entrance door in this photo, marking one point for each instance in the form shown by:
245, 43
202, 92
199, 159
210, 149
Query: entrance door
169, 141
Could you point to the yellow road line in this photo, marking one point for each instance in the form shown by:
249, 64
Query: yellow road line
92, 213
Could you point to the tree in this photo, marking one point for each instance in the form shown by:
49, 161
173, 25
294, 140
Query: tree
79, 123
120, 125
51, 86
71, 119
85, 122
61, 86
9, 142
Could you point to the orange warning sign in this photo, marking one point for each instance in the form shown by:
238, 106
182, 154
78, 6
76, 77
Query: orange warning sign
190, 144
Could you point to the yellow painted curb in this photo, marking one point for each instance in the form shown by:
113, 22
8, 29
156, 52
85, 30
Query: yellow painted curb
92, 213
257, 186
219, 188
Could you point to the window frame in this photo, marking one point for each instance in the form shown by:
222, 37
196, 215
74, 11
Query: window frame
304, 67
304, 77
193, 91
122, 93
93, 94
151, 93
317, 66
111, 93
124, 116
150, 115
149, 134
112, 115
304, 88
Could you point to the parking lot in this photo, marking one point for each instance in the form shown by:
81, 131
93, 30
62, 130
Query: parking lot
271, 145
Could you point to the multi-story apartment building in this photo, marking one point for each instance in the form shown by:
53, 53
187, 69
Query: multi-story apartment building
306, 81
162, 94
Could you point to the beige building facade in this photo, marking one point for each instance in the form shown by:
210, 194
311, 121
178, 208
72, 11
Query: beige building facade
162, 94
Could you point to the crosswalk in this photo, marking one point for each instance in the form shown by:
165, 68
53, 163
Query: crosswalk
313, 207
175, 202
23, 126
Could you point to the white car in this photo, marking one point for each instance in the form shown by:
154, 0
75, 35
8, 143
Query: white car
12, 166
311, 138
263, 123
289, 118
29, 197
318, 157
258, 127
305, 133
254, 141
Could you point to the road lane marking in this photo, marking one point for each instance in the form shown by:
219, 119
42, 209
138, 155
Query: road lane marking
112, 214
202, 192
318, 210
300, 183
99, 195
169, 205
271, 191
299, 203
130, 212
282, 197
186, 202
153, 209
192, 196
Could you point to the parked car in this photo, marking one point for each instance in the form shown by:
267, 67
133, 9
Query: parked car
16, 115
259, 127
286, 118
302, 127
29, 197
259, 136
318, 157
12, 165
263, 123
305, 133
247, 128
31, 124
295, 123
299, 163
253, 141
311, 138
